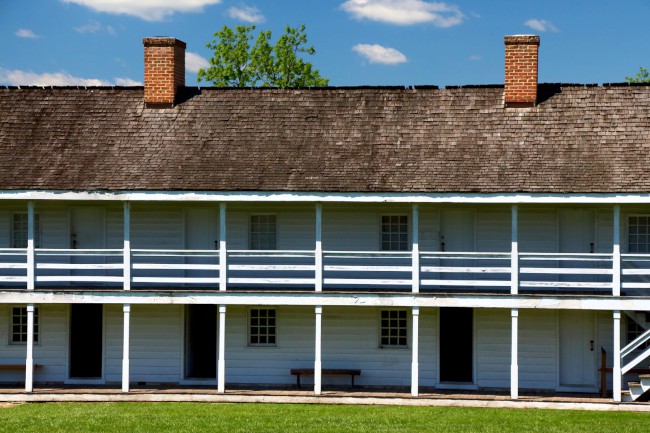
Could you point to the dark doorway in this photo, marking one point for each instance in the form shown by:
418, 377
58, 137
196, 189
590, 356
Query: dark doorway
201, 342
86, 322
456, 343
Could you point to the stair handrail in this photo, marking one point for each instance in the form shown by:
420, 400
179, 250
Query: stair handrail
635, 361
635, 344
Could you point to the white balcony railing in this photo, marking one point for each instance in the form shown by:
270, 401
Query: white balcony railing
341, 270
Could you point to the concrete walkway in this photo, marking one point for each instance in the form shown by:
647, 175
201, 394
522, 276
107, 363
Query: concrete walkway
287, 396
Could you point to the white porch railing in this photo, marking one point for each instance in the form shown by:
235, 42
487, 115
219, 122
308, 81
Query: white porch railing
341, 270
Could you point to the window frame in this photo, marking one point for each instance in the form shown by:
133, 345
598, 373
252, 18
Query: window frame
37, 229
409, 242
250, 231
37, 327
380, 327
249, 327
629, 233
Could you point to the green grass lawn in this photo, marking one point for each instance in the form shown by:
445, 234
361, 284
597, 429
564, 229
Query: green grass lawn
194, 417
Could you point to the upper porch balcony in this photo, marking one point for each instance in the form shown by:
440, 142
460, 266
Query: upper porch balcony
381, 248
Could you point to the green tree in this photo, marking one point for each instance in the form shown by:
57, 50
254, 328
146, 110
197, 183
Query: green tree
235, 63
643, 76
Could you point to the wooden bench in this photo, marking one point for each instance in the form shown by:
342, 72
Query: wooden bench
16, 366
325, 371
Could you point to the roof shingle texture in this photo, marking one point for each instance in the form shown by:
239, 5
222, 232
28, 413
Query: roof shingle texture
577, 139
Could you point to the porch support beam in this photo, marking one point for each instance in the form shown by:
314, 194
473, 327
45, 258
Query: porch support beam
31, 230
127, 246
126, 348
29, 361
415, 249
616, 255
223, 252
616, 370
514, 251
514, 355
318, 252
221, 363
415, 344
317, 351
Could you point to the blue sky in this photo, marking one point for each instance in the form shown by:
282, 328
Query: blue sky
358, 42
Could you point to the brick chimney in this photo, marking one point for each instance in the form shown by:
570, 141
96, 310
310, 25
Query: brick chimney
164, 70
521, 70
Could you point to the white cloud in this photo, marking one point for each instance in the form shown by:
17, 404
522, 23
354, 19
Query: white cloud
376, 53
26, 33
194, 62
127, 82
249, 14
149, 10
405, 12
94, 27
541, 25
474, 58
18, 77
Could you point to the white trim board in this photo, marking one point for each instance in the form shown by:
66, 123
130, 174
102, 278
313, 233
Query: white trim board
570, 302
329, 197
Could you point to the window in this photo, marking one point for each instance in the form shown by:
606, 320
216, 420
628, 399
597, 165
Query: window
393, 329
394, 233
263, 232
19, 230
262, 330
19, 325
639, 234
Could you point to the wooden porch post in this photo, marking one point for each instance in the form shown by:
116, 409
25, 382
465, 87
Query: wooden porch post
318, 253
317, 354
514, 313
616, 370
31, 280
415, 370
127, 246
31, 230
126, 348
514, 364
616, 253
415, 249
29, 361
223, 252
514, 251
221, 363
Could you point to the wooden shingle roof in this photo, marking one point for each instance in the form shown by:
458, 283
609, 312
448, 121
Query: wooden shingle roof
577, 139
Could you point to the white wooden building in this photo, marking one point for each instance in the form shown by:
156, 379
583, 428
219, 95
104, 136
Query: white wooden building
457, 238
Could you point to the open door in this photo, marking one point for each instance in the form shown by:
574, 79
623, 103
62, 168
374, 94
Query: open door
86, 341
201, 342
457, 345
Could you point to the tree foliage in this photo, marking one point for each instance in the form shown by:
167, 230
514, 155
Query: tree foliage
235, 63
643, 76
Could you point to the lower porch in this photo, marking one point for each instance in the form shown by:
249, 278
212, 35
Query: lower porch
393, 396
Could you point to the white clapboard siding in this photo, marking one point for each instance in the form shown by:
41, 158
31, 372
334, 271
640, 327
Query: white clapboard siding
492, 329
157, 228
50, 351
493, 230
350, 231
113, 333
156, 343
269, 365
114, 228
537, 349
5, 229
538, 230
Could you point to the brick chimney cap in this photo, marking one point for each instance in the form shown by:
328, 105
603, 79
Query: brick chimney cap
521, 40
163, 41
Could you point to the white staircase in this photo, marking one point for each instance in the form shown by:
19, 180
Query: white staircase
639, 351
636, 389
